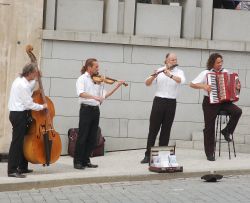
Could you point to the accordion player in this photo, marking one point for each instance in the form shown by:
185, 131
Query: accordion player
223, 87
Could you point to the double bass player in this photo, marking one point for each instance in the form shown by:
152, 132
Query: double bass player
20, 103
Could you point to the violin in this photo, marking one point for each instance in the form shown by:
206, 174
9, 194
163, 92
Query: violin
170, 68
99, 78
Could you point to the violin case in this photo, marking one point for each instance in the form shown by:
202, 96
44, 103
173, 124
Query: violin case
73, 134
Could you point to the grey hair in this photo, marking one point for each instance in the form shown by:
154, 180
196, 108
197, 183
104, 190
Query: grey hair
27, 69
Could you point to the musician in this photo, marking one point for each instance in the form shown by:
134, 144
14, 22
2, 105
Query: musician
164, 105
20, 104
210, 111
91, 95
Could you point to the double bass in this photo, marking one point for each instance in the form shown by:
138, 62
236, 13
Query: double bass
42, 144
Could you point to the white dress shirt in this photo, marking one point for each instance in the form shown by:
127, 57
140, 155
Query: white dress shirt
85, 84
166, 87
21, 96
202, 78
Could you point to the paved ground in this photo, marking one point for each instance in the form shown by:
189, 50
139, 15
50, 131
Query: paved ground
229, 189
122, 166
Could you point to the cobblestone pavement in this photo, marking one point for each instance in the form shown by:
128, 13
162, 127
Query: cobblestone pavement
229, 189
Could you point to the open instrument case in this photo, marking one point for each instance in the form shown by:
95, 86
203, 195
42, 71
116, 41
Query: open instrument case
163, 160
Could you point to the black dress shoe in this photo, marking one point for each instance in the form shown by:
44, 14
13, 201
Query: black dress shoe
90, 165
210, 158
226, 135
79, 166
145, 160
24, 170
16, 175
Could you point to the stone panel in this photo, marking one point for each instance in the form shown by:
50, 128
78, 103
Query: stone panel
61, 87
223, 21
183, 113
113, 144
110, 127
138, 128
127, 71
124, 127
183, 130
62, 106
156, 55
244, 97
126, 109
187, 95
61, 68
78, 15
83, 51
63, 123
155, 20
141, 92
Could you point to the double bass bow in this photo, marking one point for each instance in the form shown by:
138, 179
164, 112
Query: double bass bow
42, 144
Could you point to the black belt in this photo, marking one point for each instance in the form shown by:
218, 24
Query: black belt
89, 106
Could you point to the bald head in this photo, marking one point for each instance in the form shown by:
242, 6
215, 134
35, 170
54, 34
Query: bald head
171, 59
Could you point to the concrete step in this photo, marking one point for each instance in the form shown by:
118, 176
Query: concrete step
238, 138
199, 145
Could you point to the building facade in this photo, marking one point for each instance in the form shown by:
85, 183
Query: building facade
130, 40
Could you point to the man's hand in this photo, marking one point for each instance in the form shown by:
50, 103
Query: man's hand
45, 106
207, 88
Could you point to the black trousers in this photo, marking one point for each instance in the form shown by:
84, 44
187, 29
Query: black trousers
162, 116
16, 158
210, 112
87, 138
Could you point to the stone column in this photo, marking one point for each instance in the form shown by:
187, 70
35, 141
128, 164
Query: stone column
129, 17
206, 18
21, 23
50, 15
111, 16
188, 18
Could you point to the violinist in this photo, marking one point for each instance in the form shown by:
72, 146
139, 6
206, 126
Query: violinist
91, 94
167, 80
20, 104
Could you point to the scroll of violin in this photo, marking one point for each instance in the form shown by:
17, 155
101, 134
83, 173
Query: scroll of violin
110, 81
42, 144
170, 68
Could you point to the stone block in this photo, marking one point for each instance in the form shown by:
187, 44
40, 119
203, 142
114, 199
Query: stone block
188, 43
244, 97
47, 47
60, 68
184, 144
124, 127
197, 136
127, 49
61, 87
46, 85
70, 16
183, 113
140, 92
198, 145
155, 20
138, 128
64, 140
61, 105
187, 95
156, 55
83, 51
226, 45
63, 123
183, 130
113, 144
110, 127
223, 21
126, 109
123, 71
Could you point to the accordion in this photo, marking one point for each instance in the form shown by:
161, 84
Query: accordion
223, 87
